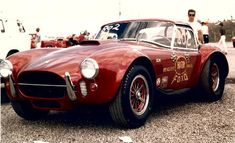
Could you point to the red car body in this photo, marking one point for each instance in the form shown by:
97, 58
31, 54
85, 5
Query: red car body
132, 69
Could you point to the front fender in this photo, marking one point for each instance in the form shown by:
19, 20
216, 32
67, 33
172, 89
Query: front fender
113, 66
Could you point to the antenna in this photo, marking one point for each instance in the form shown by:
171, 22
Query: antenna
119, 9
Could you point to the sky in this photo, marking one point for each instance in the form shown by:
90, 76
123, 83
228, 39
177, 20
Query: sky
60, 17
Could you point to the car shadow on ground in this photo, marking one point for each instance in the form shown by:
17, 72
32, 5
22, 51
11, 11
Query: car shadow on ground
98, 116
83, 117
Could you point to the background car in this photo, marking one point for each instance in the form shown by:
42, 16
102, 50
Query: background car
59, 42
127, 67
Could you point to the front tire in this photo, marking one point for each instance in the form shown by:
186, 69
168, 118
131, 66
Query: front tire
134, 100
26, 111
212, 80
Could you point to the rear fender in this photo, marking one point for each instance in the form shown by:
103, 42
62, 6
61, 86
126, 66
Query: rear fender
223, 62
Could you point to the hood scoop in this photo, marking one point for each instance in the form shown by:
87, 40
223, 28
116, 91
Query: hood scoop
89, 42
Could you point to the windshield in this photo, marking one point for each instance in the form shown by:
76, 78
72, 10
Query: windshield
112, 31
159, 32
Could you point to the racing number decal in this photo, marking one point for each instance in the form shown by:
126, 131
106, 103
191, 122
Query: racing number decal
111, 27
180, 70
181, 64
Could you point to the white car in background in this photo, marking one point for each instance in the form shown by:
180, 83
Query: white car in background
13, 39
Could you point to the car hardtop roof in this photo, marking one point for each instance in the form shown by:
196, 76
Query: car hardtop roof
180, 23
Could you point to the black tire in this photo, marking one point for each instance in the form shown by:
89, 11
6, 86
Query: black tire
212, 80
123, 109
25, 110
234, 44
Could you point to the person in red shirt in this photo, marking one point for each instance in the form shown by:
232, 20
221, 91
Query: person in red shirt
82, 36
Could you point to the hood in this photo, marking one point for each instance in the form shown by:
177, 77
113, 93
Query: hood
70, 58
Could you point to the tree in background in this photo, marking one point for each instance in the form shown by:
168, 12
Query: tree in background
229, 26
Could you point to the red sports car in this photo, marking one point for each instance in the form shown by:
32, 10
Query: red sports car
129, 64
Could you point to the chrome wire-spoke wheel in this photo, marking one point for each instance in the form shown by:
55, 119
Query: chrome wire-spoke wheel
215, 76
139, 95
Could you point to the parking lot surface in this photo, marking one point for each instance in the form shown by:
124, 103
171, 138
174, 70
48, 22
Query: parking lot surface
179, 120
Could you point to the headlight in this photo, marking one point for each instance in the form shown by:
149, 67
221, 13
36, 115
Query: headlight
89, 68
5, 68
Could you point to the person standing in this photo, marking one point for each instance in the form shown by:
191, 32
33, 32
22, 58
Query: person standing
222, 38
82, 36
195, 25
38, 38
205, 32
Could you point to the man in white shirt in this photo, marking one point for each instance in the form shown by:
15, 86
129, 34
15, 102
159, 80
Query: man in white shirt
195, 25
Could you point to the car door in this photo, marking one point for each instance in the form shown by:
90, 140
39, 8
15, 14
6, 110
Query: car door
186, 57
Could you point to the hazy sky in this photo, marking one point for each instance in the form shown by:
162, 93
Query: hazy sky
72, 16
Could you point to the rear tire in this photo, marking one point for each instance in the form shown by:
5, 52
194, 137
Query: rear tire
26, 111
134, 100
212, 80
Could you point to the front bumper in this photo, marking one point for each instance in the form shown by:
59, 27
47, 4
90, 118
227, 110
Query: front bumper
57, 103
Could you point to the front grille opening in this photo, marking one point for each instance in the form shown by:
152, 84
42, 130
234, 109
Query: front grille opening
38, 80
41, 78
42, 91
46, 104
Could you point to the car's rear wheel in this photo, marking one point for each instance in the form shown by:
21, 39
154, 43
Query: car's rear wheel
234, 44
26, 111
212, 80
134, 101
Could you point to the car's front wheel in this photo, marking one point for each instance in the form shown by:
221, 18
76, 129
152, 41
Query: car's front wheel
134, 101
26, 111
212, 80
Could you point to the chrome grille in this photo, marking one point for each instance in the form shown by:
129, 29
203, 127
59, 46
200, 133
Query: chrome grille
42, 84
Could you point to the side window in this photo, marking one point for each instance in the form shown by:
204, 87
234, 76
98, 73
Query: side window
157, 32
190, 40
180, 38
2, 26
